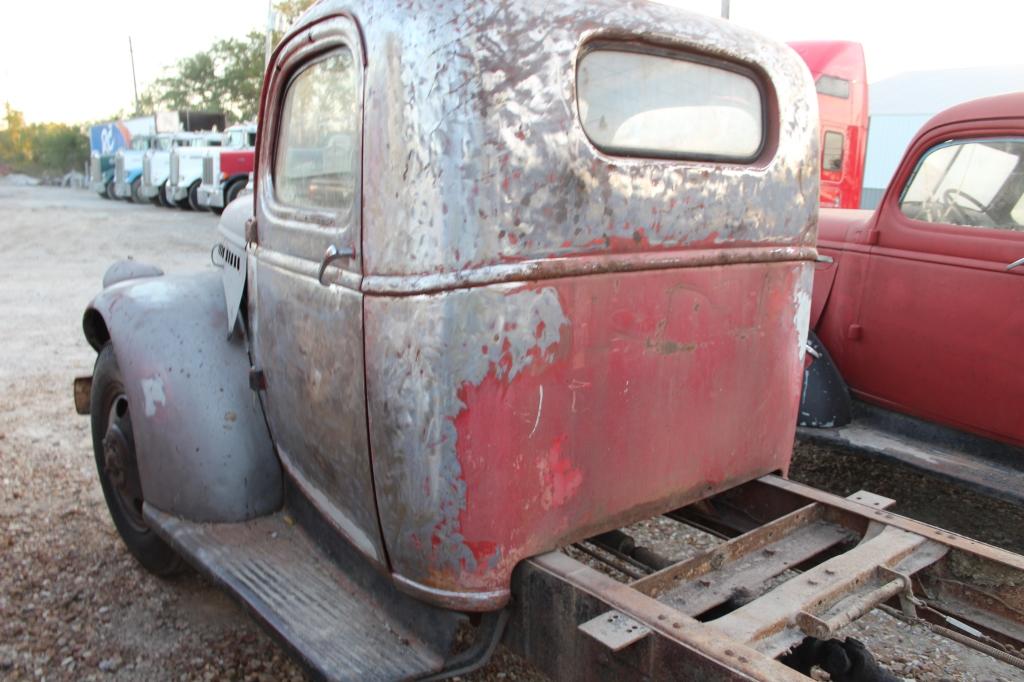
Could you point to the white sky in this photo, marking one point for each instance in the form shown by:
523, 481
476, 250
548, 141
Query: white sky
67, 60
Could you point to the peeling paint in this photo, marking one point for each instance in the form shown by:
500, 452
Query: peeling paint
153, 394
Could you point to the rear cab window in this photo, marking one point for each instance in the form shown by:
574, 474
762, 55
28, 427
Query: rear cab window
669, 105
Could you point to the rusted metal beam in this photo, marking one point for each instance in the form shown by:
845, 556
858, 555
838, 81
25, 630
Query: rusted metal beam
742, 565
552, 585
769, 622
950, 539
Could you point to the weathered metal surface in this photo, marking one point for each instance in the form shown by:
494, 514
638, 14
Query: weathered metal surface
871, 499
124, 270
989, 467
336, 628
309, 345
499, 415
204, 450
615, 630
934, 574
482, 142
308, 331
739, 568
560, 593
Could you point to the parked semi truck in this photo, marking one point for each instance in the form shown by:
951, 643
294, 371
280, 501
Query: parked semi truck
185, 170
156, 164
226, 169
840, 80
507, 284
136, 135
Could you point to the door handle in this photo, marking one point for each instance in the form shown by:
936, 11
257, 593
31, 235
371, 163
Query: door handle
1019, 261
332, 254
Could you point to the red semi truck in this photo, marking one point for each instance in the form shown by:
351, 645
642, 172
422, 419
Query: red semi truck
840, 79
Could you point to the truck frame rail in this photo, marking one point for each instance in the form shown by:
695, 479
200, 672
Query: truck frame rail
794, 562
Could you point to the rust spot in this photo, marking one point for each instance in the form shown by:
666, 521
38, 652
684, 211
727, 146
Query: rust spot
230, 416
670, 347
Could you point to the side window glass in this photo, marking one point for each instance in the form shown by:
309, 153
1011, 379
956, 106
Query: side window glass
315, 161
976, 183
832, 151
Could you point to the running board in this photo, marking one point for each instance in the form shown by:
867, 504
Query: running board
339, 627
991, 468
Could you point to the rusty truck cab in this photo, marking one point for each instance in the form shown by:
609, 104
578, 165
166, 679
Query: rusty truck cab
568, 282
512, 275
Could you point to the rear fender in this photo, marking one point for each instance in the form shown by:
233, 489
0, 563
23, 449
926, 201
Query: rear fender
825, 399
204, 450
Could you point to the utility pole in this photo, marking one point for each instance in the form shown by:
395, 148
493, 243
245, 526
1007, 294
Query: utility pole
725, 9
131, 53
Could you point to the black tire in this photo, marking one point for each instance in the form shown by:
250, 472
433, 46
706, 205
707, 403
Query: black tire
137, 191
233, 190
183, 204
165, 201
193, 197
110, 190
114, 447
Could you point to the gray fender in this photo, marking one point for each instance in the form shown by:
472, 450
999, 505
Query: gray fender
204, 450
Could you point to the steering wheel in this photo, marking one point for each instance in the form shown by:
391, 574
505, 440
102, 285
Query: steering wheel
949, 198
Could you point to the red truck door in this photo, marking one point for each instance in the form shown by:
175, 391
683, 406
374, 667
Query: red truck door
940, 327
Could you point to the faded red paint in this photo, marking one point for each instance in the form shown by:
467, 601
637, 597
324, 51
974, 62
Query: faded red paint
665, 386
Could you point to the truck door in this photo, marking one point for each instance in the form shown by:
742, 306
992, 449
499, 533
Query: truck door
305, 298
942, 318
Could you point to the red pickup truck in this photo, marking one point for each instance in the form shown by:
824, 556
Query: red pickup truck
920, 312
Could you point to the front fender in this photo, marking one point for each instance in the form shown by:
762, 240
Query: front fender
204, 450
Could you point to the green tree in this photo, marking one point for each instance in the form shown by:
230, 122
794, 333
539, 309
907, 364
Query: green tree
227, 77
15, 144
58, 148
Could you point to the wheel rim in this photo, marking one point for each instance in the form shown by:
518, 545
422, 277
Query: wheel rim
120, 466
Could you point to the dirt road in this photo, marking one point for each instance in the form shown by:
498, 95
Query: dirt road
73, 603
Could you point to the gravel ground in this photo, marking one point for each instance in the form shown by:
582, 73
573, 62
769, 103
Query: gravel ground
74, 605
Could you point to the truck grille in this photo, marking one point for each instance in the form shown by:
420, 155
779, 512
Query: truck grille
172, 176
95, 171
208, 170
119, 169
147, 169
